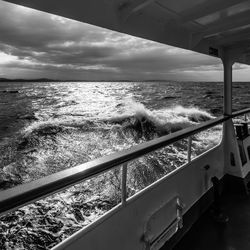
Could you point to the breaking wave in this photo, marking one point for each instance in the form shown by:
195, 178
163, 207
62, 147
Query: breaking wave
134, 116
162, 121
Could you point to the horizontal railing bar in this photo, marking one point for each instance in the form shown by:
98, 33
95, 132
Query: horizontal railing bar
240, 112
21, 195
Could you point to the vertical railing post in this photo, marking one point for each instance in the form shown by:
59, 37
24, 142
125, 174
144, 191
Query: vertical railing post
227, 63
124, 183
245, 117
189, 149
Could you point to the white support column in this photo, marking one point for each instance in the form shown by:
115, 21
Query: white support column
231, 150
227, 109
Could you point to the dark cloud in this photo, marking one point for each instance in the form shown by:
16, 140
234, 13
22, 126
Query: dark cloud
36, 44
162, 61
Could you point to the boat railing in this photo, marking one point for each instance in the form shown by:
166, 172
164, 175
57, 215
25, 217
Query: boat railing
19, 196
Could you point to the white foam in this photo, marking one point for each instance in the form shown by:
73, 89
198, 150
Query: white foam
165, 120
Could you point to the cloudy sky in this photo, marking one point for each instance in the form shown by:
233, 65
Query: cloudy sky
34, 44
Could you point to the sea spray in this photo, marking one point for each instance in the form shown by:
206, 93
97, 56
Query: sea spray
48, 146
165, 120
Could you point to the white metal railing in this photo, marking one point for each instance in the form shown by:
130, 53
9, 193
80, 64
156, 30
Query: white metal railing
124, 182
189, 150
19, 196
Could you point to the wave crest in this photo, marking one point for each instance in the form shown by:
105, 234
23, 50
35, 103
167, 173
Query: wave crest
135, 120
162, 121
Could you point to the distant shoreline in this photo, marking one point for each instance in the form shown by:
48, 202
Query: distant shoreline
28, 80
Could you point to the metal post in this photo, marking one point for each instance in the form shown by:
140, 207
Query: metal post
227, 63
189, 150
124, 183
230, 144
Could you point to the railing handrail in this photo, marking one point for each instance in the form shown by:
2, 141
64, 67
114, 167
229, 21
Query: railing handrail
240, 112
21, 195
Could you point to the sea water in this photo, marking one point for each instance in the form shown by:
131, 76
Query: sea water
51, 126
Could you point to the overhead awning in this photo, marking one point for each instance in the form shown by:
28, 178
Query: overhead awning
211, 27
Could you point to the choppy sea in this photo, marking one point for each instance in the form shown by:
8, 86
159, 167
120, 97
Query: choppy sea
51, 126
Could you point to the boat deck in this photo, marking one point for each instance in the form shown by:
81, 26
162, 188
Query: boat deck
206, 234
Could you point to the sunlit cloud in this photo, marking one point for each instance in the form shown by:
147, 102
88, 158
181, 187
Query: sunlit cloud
7, 59
23, 10
58, 19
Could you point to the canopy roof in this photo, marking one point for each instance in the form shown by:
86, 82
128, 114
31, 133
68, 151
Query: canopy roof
211, 27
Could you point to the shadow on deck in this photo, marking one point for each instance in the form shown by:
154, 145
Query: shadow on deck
206, 234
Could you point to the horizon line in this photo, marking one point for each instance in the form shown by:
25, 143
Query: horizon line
3, 79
